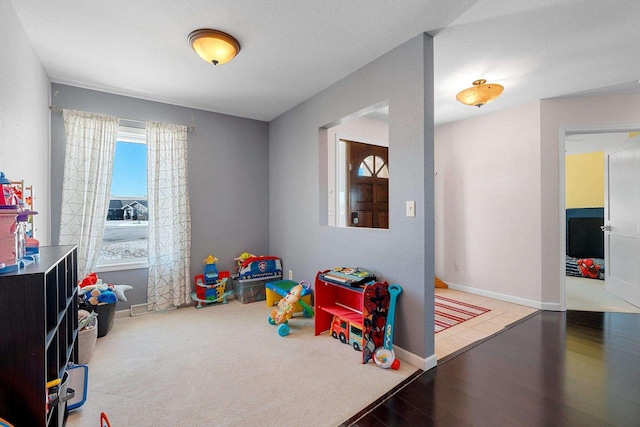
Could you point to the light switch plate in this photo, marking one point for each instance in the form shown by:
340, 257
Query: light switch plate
411, 208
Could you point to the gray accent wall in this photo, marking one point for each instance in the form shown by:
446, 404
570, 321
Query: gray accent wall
403, 254
228, 160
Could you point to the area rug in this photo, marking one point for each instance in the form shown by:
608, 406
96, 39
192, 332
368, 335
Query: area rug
450, 312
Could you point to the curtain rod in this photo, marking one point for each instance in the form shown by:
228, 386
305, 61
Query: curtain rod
56, 108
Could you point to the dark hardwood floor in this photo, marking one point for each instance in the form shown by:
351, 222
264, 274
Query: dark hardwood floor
553, 369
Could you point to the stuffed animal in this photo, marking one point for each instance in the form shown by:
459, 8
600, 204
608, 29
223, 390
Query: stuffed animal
286, 306
90, 279
91, 289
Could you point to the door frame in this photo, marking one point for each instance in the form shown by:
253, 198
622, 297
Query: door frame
565, 131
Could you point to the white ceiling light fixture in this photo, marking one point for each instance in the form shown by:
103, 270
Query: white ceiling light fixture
213, 46
480, 93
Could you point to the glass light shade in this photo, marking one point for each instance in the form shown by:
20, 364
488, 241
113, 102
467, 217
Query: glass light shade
480, 93
214, 46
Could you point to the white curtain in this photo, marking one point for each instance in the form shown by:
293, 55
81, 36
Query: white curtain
88, 165
169, 216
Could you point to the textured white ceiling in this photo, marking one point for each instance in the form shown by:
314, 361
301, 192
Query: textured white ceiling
292, 49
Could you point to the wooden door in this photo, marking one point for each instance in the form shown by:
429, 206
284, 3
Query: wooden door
368, 185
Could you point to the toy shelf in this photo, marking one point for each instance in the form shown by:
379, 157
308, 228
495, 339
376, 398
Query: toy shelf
349, 314
347, 302
332, 299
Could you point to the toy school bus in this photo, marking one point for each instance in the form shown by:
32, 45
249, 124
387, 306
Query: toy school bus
347, 332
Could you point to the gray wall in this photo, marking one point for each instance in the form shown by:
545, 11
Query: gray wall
228, 166
402, 254
24, 115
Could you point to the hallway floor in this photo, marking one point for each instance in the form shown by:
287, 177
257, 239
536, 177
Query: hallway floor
502, 313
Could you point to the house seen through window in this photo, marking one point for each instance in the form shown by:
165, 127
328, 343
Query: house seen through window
126, 232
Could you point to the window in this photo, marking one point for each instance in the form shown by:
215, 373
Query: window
373, 166
125, 239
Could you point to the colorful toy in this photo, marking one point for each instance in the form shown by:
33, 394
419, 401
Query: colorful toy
347, 332
279, 288
210, 270
588, 268
243, 257
210, 286
374, 315
259, 267
95, 292
384, 356
286, 307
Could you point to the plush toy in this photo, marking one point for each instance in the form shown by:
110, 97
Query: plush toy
90, 279
119, 290
93, 291
107, 297
286, 306
92, 297
588, 268
243, 257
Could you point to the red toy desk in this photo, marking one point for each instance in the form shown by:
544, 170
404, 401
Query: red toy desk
365, 306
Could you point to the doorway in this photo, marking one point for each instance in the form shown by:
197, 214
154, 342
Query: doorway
582, 189
367, 185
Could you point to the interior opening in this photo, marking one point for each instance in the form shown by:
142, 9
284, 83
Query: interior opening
594, 200
356, 162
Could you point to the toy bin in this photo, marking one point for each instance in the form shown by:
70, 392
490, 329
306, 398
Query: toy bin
87, 341
106, 315
252, 290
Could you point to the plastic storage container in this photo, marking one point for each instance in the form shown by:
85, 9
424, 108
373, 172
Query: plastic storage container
252, 290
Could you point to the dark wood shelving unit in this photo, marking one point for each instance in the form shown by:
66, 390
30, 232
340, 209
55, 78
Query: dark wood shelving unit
38, 334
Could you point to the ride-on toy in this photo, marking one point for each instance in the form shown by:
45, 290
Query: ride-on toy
281, 314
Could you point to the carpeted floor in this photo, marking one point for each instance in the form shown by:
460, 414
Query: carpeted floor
590, 295
226, 366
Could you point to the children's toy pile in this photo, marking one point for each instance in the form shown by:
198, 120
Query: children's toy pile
93, 291
101, 298
18, 247
253, 273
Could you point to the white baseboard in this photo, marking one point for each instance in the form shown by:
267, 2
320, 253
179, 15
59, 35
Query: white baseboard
551, 306
417, 361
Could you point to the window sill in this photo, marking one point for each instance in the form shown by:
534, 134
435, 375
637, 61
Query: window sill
121, 266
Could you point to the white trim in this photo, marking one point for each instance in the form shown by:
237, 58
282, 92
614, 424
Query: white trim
121, 266
131, 134
422, 363
562, 212
552, 306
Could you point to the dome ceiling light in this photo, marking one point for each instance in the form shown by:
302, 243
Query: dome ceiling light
480, 93
214, 46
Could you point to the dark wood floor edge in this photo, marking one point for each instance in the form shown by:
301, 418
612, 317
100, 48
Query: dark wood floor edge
477, 343
351, 421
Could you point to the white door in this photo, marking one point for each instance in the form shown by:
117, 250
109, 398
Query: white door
622, 220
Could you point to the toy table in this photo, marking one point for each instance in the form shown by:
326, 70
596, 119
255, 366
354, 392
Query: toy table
276, 290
